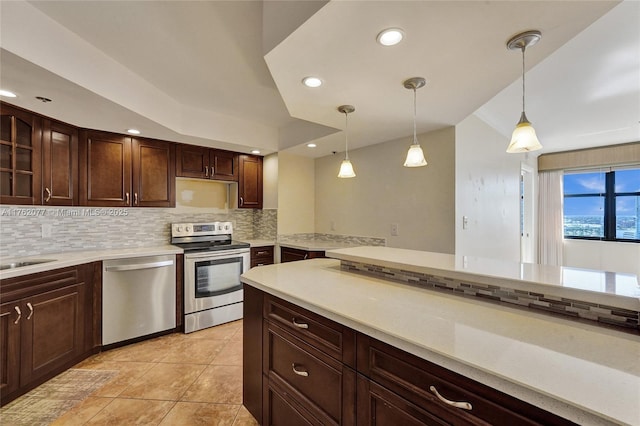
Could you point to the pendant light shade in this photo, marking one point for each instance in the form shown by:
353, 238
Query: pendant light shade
415, 155
524, 137
346, 168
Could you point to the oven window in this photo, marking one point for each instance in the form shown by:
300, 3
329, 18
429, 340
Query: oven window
216, 277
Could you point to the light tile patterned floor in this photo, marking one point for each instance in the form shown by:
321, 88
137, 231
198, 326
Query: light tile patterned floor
179, 379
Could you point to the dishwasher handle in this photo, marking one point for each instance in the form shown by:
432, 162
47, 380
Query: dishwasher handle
134, 267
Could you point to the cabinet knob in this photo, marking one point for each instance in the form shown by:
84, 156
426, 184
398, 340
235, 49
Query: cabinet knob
299, 371
300, 324
463, 405
19, 312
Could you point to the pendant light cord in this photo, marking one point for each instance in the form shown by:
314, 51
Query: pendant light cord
346, 135
523, 48
415, 138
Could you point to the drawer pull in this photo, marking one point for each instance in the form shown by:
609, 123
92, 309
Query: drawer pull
303, 373
19, 312
300, 324
463, 405
262, 253
30, 306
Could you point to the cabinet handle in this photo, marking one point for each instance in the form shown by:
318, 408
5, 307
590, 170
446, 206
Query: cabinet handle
213, 171
19, 314
206, 171
260, 253
306, 255
463, 405
126, 197
241, 201
300, 324
303, 373
135, 198
30, 306
48, 191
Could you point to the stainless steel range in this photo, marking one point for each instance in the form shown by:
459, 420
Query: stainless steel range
213, 262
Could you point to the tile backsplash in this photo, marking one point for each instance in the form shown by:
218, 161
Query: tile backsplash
84, 228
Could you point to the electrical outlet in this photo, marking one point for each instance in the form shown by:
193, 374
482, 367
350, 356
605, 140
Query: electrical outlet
465, 222
46, 229
394, 229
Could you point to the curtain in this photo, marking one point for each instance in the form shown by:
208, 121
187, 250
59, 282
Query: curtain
550, 218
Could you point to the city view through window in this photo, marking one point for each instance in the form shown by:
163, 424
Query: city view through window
589, 196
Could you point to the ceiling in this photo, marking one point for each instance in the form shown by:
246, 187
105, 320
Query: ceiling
228, 73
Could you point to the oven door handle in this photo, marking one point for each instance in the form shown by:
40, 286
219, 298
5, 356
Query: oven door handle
219, 254
137, 266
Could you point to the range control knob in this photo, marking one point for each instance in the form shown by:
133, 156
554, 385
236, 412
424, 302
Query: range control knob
179, 228
226, 227
188, 229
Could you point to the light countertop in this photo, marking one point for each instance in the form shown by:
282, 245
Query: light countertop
587, 374
616, 289
314, 245
260, 243
72, 258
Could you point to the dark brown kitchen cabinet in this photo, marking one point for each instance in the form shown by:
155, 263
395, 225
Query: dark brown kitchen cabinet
250, 182
262, 256
20, 150
153, 173
46, 321
317, 372
206, 163
59, 164
118, 171
289, 254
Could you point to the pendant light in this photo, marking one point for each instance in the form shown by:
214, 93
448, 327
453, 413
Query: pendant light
415, 156
346, 168
524, 137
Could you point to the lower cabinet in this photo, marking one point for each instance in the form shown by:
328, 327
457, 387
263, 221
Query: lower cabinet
288, 254
45, 326
261, 256
309, 370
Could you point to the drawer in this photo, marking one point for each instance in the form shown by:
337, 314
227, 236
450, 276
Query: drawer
413, 378
261, 256
320, 384
328, 336
288, 254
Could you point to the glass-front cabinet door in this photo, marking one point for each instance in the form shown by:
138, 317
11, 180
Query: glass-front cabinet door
19, 156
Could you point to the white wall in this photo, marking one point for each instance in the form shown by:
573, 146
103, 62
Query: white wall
270, 182
487, 192
602, 255
296, 202
420, 200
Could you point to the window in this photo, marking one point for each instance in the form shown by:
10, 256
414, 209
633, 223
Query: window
603, 205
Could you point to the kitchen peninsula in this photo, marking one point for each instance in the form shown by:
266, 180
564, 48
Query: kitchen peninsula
339, 314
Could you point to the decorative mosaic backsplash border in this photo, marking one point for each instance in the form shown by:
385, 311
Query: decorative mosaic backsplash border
343, 239
597, 314
82, 228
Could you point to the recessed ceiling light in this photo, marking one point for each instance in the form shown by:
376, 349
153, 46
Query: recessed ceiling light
312, 82
390, 36
7, 94
255, 151
311, 145
133, 131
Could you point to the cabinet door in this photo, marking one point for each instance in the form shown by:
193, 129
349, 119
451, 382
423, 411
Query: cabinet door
52, 330
9, 347
153, 173
224, 165
250, 182
192, 161
20, 143
59, 164
105, 169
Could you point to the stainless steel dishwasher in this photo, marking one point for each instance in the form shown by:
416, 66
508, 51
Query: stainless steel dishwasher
138, 297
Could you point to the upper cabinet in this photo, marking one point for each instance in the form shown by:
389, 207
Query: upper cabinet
206, 163
118, 171
59, 164
250, 182
20, 140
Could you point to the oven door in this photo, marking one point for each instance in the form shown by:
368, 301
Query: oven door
212, 279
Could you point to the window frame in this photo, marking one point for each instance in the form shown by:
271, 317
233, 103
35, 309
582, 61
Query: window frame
610, 196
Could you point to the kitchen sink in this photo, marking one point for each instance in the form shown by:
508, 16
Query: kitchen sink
14, 265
